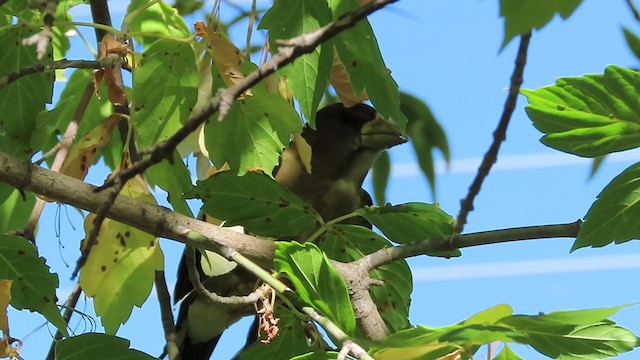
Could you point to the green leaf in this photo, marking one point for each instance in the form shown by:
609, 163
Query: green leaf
633, 41
595, 166
316, 281
23, 99
410, 222
426, 135
308, 75
256, 202
419, 342
490, 316
290, 341
380, 177
591, 115
158, 18
581, 334
165, 89
174, 178
15, 211
521, 16
317, 355
254, 131
347, 243
613, 216
358, 50
34, 287
97, 347
507, 354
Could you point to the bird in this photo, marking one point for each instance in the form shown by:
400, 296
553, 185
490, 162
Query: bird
344, 145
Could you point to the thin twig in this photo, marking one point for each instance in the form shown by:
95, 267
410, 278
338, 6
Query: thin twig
447, 243
194, 277
61, 149
634, 10
55, 65
499, 135
292, 49
70, 306
166, 315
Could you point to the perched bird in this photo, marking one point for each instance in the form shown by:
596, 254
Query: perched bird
343, 146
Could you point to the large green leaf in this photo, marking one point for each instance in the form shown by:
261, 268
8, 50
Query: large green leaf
521, 16
158, 18
174, 178
349, 242
613, 216
358, 50
165, 87
23, 99
410, 222
97, 347
308, 75
591, 115
256, 202
425, 134
254, 131
317, 283
578, 334
34, 287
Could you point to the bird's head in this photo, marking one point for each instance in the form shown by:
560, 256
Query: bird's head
346, 141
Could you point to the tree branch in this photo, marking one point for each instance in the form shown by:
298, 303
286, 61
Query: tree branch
55, 65
166, 315
221, 103
447, 243
499, 135
634, 10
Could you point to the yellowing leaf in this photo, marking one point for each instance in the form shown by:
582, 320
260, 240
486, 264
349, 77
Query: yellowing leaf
226, 55
120, 270
80, 156
341, 82
5, 298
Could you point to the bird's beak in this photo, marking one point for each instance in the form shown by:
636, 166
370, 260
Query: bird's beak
379, 134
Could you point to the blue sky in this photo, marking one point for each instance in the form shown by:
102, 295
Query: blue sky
447, 52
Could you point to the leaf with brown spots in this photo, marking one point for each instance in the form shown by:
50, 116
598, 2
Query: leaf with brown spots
34, 287
81, 155
341, 83
120, 270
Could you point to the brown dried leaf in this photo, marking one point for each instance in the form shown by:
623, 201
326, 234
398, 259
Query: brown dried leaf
110, 45
341, 82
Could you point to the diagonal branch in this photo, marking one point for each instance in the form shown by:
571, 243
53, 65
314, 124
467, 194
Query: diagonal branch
499, 135
292, 49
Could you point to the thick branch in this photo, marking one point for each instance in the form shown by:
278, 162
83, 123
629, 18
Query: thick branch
499, 135
293, 49
155, 220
